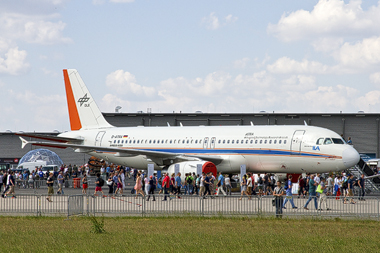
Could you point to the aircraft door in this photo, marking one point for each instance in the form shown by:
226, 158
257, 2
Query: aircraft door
212, 144
295, 145
98, 138
205, 143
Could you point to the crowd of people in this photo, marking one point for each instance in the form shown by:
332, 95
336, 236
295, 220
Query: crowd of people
318, 188
205, 185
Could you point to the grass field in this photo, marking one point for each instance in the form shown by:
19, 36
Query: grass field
188, 234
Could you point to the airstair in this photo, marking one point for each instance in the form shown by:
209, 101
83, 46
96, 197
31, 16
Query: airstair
371, 184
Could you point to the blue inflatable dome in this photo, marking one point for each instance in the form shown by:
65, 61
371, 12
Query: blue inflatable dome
35, 155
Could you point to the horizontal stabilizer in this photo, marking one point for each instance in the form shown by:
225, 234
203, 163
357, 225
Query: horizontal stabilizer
49, 137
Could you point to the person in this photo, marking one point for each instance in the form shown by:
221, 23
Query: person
228, 184
10, 188
115, 181
207, 185
98, 184
349, 141
329, 186
361, 187
177, 184
350, 188
189, 181
312, 194
50, 183
84, 183
198, 185
301, 186
202, 187
119, 188
289, 195
60, 183
152, 187
260, 184
337, 187
110, 183
243, 185
278, 193
173, 188
138, 186
166, 186
266, 183
221, 184
195, 187
322, 189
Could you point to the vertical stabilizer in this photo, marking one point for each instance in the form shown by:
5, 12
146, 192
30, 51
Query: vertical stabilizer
83, 111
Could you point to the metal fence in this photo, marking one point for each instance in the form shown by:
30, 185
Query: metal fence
130, 205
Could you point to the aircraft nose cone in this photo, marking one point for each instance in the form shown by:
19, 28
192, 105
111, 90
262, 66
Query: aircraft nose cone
350, 157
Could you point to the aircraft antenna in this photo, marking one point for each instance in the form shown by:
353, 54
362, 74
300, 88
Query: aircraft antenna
252, 123
305, 123
168, 124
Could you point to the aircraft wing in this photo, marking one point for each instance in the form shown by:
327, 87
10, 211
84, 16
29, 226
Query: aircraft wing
152, 154
49, 137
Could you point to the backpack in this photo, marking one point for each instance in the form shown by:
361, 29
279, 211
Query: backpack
101, 182
345, 184
189, 180
260, 181
286, 186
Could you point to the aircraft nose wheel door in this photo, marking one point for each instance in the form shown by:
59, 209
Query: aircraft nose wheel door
295, 146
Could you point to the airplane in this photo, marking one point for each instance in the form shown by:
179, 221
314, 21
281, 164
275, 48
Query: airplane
270, 148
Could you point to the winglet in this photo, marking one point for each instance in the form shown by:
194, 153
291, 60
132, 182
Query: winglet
23, 142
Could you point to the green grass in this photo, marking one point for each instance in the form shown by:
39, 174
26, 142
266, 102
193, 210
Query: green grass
188, 234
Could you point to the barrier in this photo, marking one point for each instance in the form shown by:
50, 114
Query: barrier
132, 205
75, 205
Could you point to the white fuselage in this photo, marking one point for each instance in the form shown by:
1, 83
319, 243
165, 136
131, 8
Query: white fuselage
276, 149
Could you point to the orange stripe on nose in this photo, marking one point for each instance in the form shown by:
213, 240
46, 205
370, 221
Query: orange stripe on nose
75, 123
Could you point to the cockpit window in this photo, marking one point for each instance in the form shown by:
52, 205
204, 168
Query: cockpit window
328, 141
338, 141
320, 141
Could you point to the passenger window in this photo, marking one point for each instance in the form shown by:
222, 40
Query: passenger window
187, 142
237, 141
118, 141
154, 141
320, 141
279, 142
246, 142
284, 141
219, 141
275, 141
134, 142
224, 141
150, 141
170, 141
232, 142
328, 141
256, 141
251, 142
270, 141
196, 141
265, 142
228, 141
261, 141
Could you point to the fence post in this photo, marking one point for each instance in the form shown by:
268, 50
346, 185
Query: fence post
202, 206
143, 206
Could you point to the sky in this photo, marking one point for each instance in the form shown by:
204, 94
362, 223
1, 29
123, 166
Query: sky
220, 56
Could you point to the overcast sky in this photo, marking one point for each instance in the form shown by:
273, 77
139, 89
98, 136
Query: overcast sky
198, 55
